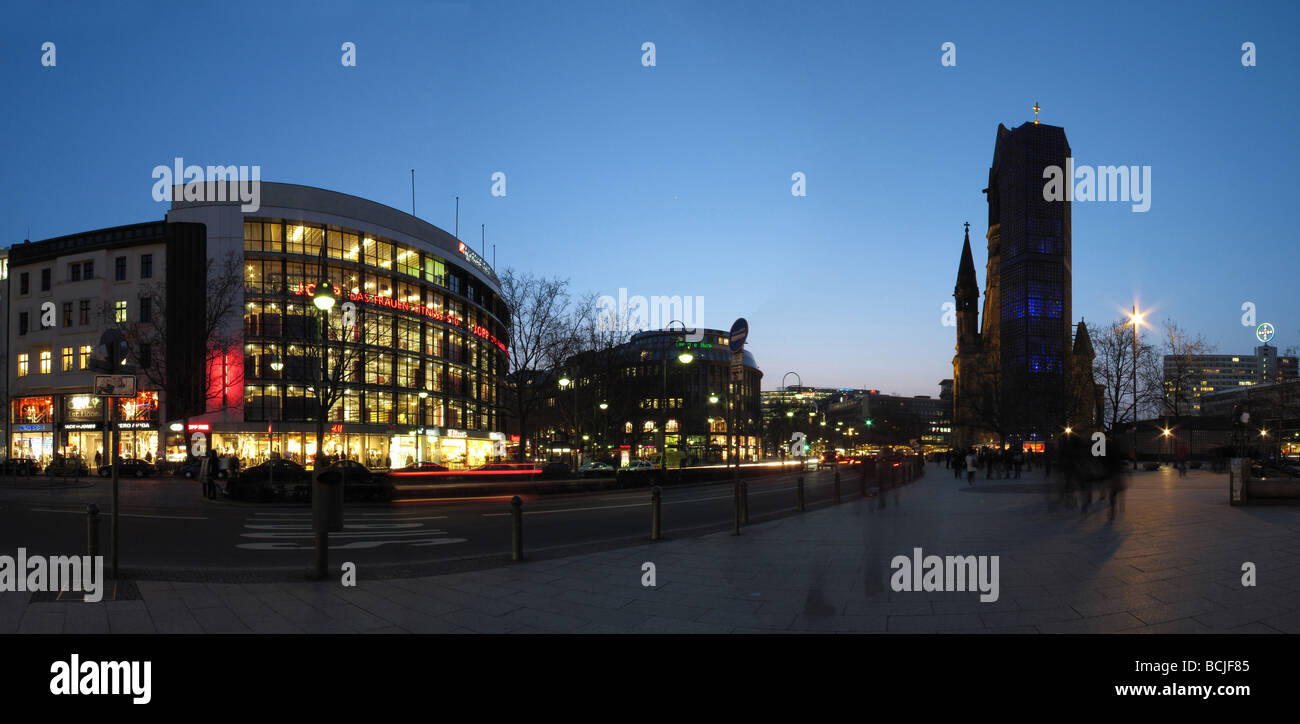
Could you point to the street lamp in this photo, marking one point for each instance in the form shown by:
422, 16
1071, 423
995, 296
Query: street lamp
573, 444
323, 299
684, 358
603, 446
1135, 319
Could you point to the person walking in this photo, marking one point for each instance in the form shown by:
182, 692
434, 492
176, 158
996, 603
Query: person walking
972, 464
1116, 481
1019, 462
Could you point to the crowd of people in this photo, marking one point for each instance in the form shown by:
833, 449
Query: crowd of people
1077, 469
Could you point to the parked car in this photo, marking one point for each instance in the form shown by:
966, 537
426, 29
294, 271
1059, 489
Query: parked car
636, 465
67, 467
21, 466
556, 470
424, 466
272, 480
134, 467
359, 482
188, 470
595, 469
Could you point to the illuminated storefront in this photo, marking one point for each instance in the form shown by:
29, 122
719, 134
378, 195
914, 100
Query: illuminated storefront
32, 433
417, 339
415, 342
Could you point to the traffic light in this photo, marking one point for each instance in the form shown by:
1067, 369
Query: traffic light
868, 421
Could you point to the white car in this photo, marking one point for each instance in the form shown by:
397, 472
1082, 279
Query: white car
634, 465
595, 468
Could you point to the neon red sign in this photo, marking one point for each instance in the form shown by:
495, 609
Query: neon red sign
307, 290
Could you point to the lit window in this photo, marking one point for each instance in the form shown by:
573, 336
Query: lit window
119, 311
22, 365
67, 359
83, 357
45, 362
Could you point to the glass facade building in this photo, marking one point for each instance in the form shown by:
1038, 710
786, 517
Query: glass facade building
417, 340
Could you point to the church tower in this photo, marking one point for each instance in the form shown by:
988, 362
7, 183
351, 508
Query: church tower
967, 294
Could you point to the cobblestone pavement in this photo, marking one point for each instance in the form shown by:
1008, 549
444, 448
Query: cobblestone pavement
1171, 562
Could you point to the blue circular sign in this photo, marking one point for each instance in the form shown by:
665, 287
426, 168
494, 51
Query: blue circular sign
739, 331
1264, 332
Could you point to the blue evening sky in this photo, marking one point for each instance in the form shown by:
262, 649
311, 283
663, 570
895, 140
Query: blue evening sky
675, 180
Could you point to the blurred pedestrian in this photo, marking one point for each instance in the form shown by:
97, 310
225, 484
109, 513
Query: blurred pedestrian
1116, 480
972, 464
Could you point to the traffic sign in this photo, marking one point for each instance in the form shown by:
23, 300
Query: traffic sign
739, 333
115, 385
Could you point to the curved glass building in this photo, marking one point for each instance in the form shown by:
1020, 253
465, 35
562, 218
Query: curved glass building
418, 337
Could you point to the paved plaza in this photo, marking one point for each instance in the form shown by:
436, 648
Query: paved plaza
1171, 562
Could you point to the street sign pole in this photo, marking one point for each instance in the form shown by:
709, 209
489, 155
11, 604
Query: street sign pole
736, 342
120, 382
112, 423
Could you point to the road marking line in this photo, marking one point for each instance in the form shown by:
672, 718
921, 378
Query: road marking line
567, 510
122, 515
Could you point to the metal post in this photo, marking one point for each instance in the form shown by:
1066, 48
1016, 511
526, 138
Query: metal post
837, 487
116, 441
744, 502
92, 530
735, 471
517, 528
656, 498
800, 488
1135, 387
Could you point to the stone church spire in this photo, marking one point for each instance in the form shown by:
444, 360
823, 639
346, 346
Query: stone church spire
967, 294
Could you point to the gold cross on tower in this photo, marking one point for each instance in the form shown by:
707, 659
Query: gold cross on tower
1036, 110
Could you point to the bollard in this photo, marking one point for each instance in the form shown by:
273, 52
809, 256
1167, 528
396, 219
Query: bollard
735, 506
837, 487
801, 508
744, 503
92, 530
656, 498
517, 537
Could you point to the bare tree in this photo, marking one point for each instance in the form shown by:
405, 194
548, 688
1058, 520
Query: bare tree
542, 336
1113, 368
984, 407
601, 359
174, 367
1179, 373
330, 359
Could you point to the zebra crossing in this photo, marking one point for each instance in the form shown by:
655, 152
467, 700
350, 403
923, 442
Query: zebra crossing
291, 531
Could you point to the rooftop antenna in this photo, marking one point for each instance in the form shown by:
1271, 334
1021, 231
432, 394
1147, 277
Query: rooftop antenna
1036, 110
457, 217
412, 192
482, 244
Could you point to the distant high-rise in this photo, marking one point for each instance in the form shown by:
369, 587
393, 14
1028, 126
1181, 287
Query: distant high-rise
1022, 374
